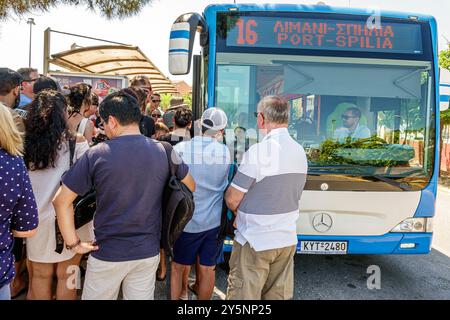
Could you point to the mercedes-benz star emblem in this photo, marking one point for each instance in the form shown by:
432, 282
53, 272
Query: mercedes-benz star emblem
322, 222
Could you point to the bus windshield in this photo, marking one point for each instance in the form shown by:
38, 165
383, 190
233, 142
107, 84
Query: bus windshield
366, 119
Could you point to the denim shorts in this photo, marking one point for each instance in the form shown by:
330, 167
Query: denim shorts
205, 245
5, 294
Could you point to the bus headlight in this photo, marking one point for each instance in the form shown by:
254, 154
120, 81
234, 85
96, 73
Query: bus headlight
415, 225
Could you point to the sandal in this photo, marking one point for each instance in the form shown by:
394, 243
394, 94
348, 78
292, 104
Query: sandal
186, 297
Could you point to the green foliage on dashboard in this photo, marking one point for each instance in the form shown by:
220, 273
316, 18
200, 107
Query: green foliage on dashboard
372, 151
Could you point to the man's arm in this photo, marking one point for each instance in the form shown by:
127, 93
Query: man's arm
63, 204
189, 182
24, 234
25, 219
233, 198
183, 168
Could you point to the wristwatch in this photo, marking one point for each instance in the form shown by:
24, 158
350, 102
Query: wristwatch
73, 246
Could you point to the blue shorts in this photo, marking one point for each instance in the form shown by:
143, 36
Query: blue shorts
205, 245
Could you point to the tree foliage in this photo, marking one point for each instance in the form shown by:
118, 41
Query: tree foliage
444, 62
107, 8
165, 100
372, 151
444, 58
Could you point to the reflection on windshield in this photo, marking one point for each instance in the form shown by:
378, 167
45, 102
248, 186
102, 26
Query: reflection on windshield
375, 116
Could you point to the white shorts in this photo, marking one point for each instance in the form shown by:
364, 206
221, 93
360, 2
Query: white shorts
103, 279
41, 247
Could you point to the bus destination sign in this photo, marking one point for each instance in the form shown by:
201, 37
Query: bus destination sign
324, 34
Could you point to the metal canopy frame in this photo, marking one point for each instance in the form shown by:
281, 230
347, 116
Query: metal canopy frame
112, 59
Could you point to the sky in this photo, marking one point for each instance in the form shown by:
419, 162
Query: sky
149, 30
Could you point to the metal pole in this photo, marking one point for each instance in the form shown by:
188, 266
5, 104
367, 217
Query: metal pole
31, 23
46, 51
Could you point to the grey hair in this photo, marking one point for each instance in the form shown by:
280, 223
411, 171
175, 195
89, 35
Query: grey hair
275, 109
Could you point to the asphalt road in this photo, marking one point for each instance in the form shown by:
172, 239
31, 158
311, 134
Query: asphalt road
345, 277
319, 277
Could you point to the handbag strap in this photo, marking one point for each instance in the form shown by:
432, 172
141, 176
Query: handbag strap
72, 143
82, 126
169, 149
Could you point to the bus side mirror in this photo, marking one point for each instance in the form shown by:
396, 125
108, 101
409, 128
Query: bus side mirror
182, 37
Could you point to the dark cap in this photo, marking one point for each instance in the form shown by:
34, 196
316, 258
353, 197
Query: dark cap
9, 79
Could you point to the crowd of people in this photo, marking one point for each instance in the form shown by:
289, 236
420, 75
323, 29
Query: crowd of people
57, 144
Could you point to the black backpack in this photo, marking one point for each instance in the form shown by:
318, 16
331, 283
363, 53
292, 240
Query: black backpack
178, 205
226, 228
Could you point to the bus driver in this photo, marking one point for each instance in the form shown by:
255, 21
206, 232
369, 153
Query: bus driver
351, 127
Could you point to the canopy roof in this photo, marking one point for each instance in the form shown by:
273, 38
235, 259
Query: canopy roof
114, 60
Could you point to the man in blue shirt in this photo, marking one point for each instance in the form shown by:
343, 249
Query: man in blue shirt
209, 163
29, 76
127, 221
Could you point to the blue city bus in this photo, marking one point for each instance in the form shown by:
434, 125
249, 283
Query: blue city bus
371, 193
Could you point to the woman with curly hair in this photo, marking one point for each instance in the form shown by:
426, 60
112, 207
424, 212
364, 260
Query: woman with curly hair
47, 157
80, 100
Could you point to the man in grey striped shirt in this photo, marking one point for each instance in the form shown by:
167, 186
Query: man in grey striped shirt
265, 196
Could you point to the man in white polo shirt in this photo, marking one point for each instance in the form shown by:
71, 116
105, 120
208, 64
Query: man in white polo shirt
265, 196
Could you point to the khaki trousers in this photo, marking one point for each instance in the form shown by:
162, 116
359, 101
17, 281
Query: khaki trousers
266, 275
104, 279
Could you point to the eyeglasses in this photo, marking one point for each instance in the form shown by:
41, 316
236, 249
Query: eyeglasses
156, 100
31, 80
156, 115
344, 117
256, 114
102, 123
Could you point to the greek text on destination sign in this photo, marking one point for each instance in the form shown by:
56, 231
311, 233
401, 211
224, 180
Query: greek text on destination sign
324, 34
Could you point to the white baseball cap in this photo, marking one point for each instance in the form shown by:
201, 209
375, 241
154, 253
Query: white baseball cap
217, 117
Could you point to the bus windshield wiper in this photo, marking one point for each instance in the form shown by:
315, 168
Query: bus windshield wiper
402, 185
361, 172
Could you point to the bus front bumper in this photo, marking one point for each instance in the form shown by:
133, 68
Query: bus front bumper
389, 243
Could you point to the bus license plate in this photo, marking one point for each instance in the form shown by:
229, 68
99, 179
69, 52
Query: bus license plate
322, 247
